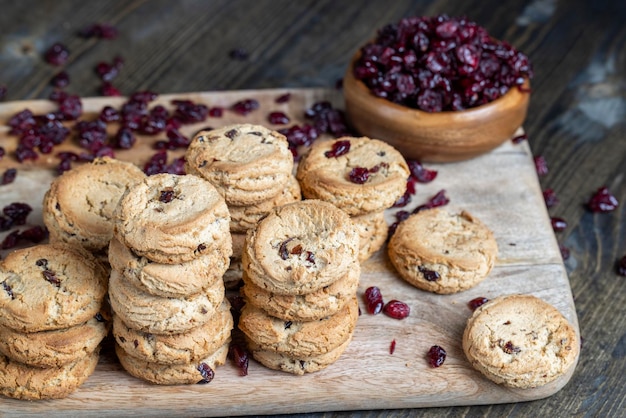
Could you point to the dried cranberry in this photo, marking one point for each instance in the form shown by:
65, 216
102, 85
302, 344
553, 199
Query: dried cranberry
549, 196
8, 289
238, 54
373, 300
510, 348
17, 212
91, 135
278, 118
109, 114
8, 176
206, 372
540, 165
477, 302
420, 173
243, 107
156, 164
166, 196
107, 72
21, 122
216, 112
70, 106
282, 249
240, 357
34, 234
359, 175
439, 199
519, 138
283, 98
621, 266
396, 309
145, 96
10, 241
98, 30
602, 201
430, 275
436, 356
51, 277
57, 54
392, 347
107, 89
565, 253
189, 112
338, 149
558, 224
60, 80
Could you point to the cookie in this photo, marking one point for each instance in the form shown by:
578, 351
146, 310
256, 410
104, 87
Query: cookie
201, 371
168, 280
442, 252
299, 338
158, 315
243, 218
372, 228
20, 381
296, 365
381, 169
309, 307
53, 348
171, 219
300, 248
246, 163
78, 208
520, 341
187, 347
49, 287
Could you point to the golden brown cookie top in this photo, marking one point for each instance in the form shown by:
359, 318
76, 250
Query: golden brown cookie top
79, 206
50, 286
300, 247
520, 341
369, 177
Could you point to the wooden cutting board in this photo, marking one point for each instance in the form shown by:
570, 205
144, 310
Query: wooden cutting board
500, 188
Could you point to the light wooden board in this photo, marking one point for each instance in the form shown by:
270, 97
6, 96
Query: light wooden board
500, 188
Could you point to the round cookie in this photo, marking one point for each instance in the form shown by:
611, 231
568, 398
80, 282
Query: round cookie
298, 338
372, 228
50, 286
298, 366
187, 347
201, 371
78, 208
246, 163
168, 280
158, 315
300, 248
53, 348
441, 252
328, 178
520, 341
171, 219
20, 381
309, 307
246, 217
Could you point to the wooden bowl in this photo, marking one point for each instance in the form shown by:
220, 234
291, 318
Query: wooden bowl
434, 137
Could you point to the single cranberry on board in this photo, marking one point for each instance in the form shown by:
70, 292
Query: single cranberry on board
373, 300
436, 356
396, 309
477, 302
602, 201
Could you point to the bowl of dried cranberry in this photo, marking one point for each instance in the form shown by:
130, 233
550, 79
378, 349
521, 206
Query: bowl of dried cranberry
439, 89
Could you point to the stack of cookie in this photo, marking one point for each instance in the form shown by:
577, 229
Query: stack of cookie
301, 273
361, 176
78, 208
251, 166
170, 250
51, 320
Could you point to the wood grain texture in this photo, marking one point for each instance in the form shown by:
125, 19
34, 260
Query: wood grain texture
575, 119
366, 376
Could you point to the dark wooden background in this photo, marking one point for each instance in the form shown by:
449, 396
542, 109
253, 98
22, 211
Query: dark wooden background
576, 118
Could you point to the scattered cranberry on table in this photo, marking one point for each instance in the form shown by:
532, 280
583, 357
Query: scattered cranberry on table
436, 356
396, 309
602, 201
477, 302
57, 54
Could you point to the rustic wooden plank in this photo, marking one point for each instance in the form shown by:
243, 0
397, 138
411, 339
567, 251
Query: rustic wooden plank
500, 188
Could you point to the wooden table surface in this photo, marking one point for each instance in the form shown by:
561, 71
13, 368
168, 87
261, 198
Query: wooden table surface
576, 118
